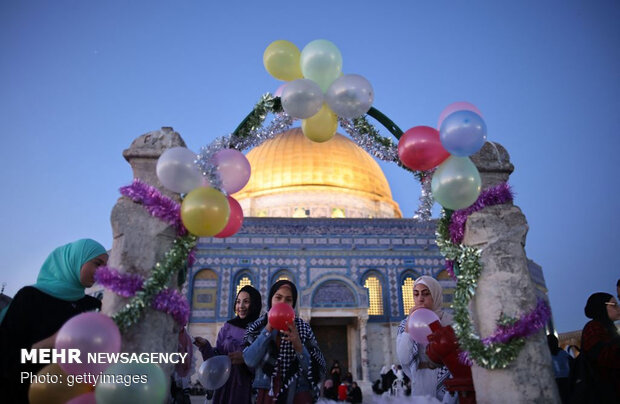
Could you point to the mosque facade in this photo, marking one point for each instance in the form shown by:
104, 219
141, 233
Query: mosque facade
322, 216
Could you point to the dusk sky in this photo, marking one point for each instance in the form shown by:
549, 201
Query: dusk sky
80, 80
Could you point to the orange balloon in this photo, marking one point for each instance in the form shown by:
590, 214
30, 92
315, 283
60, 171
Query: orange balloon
205, 211
52, 385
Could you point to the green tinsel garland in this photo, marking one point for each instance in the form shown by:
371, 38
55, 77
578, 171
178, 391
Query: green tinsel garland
254, 120
491, 356
174, 259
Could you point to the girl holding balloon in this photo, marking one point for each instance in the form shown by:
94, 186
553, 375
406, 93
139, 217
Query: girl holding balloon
37, 312
283, 350
426, 377
238, 387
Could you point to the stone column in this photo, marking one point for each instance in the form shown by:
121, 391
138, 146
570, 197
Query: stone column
363, 321
141, 240
505, 287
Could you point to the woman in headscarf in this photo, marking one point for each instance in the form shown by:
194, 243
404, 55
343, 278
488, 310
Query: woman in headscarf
600, 345
289, 365
238, 388
37, 312
426, 377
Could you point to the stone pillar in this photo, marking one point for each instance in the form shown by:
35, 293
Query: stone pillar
505, 287
141, 240
363, 321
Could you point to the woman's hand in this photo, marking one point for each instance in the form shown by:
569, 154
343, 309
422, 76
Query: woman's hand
48, 342
268, 327
236, 358
200, 342
293, 336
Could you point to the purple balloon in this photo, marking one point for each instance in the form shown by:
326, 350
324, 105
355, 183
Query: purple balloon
88, 398
457, 106
233, 168
90, 333
278, 92
418, 324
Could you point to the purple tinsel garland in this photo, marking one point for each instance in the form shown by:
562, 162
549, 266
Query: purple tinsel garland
496, 195
125, 285
526, 325
449, 266
169, 301
158, 205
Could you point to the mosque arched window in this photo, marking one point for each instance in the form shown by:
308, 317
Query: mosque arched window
204, 296
375, 295
407, 291
338, 213
282, 274
243, 281
301, 212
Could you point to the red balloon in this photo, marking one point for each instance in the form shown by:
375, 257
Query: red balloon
235, 220
280, 315
420, 148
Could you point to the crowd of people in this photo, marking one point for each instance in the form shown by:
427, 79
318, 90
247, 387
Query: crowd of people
272, 366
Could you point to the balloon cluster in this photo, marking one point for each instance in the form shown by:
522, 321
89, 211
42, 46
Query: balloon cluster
316, 90
461, 132
207, 209
96, 333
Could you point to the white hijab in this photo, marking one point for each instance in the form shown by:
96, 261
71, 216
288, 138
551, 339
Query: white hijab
437, 294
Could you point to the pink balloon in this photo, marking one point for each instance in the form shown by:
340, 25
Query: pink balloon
235, 220
418, 324
90, 333
420, 148
234, 169
88, 398
456, 106
278, 92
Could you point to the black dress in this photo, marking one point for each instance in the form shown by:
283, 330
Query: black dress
32, 316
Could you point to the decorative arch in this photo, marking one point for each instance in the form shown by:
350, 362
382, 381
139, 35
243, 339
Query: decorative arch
204, 296
242, 278
334, 293
282, 274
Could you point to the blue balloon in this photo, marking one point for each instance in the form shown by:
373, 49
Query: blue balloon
463, 133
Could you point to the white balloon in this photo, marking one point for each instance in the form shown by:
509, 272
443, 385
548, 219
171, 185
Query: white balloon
350, 96
177, 171
302, 98
214, 372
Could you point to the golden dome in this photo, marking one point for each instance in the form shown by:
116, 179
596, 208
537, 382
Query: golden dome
337, 174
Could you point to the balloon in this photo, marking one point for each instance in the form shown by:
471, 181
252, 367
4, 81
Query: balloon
177, 171
234, 221
463, 133
322, 126
205, 211
350, 96
321, 61
90, 333
419, 148
278, 92
281, 60
302, 98
233, 168
418, 324
88, 398
456, 183
456, 106
214, 372
51, 387
139, 383
280, 315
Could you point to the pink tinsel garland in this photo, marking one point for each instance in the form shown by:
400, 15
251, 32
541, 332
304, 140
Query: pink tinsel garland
167, 300
158, 205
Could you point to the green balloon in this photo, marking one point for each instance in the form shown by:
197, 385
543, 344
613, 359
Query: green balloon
456, 183
321, 62
132, 383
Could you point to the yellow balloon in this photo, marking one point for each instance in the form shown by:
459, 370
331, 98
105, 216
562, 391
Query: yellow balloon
281, 59
321, 126
52, 386
205, 211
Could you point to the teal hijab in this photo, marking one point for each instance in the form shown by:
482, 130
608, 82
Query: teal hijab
60, 274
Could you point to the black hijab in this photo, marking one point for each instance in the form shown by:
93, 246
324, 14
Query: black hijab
278, 285
254, 311
596, 309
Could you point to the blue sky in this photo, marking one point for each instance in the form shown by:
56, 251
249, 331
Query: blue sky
79, 80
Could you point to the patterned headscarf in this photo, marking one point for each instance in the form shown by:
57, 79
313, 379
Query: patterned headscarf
60, 274
286, 363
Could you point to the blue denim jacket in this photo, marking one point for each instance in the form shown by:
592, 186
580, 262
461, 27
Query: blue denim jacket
254, 357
